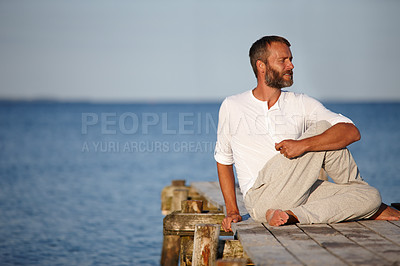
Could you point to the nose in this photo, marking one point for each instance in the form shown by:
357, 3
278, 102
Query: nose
290, 65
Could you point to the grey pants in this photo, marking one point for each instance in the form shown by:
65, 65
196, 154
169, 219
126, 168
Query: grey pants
293, 184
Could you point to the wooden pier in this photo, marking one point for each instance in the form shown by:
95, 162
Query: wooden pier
364, 242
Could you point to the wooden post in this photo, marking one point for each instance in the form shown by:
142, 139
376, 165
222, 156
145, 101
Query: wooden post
205, 244
232, 249
171, 243
186, 250
189, 206
178, 183
170, 250
167, 194
179, 195
231, 262
192, 206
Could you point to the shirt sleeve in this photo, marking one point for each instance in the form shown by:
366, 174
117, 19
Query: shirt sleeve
316, 111
223, 151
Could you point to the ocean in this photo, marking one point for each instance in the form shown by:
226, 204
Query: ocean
80, 183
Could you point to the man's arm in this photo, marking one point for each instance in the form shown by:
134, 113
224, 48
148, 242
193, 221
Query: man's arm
227, 183
334, 138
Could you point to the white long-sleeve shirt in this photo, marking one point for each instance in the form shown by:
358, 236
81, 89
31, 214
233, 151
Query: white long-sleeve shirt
248, 130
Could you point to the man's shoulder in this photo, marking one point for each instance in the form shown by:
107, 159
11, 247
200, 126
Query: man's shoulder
297, 97
240, 99
291, 95
240, 96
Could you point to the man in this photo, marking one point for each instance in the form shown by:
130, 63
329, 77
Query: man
279, 141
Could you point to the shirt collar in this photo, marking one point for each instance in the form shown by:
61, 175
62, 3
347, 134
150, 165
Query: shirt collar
278, 104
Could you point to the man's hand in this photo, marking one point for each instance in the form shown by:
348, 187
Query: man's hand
229, 219
291, 148
227, 183
336, 137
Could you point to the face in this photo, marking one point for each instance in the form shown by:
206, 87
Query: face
279, 69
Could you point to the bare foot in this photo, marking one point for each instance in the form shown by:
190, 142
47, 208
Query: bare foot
386, 213
276, 217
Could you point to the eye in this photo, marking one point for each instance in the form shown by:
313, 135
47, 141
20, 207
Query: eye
288, 60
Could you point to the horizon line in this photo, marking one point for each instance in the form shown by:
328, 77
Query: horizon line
180, 101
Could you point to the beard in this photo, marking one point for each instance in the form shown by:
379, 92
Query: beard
275, 79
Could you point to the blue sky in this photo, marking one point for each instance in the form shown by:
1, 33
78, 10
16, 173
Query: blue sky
190, 50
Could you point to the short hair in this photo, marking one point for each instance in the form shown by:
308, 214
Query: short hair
259, 50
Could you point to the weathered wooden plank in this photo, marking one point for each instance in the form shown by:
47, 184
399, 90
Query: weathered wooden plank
384, 228
227, 249
211, 192
170, 250
262, 247
205, 244
395, 223
192, 206
184, 223
167, 195
372, 241
302, 246
179, 195
231, 248
241, 224
186, 250
342, 247
231, 262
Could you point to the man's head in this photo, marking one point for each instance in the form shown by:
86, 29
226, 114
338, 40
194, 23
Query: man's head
271, 57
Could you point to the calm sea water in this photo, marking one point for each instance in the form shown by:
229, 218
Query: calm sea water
80, 183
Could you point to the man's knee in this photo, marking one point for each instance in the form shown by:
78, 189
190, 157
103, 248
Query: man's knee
372, 201
375, 199
316, 129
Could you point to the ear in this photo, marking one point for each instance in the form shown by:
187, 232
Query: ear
260, 66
